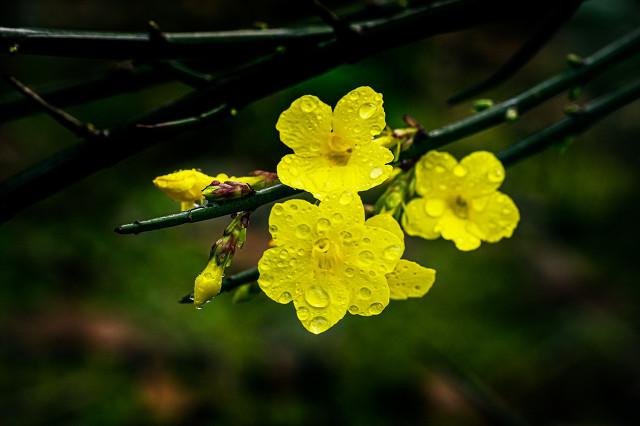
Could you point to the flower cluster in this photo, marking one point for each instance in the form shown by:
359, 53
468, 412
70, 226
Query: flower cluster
327, 258
460, 201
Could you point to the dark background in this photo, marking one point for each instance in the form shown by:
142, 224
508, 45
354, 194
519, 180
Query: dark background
542, 327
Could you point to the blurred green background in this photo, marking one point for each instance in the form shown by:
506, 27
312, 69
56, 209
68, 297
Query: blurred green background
541, 328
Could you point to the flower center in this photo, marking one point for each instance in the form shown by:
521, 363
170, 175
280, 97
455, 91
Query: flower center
339, 150
324, 255
460, 207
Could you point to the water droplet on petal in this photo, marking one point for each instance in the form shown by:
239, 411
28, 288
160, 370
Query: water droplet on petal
307, 105
393, 252
375, 130
337, 217
322, 245
317, 297
366, 256
439, 169
303, 313
353, 309
459, 171
349, 272
277, 209
284, 254
376, 173
273, 229
434, 207
265, 280
496, 175
301, 252
376, 308
303, 231
345, 198
364, 293
367, 110
347, 237
323, 225
285, 297
319, 324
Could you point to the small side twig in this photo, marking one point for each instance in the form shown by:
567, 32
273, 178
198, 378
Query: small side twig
76, 126
550, 26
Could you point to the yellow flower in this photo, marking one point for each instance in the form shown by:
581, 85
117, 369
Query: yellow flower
460, 201
185, 186
328, 260
208, 283
334, 151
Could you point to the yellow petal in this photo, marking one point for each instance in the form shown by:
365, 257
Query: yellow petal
341, 210
320, 303
359, 115
410, 279
369, 295
293, 223
455, 229
183, 185
208, 283
387, 222
495, 216
378, 251
281, 271
305, 126
482, 172
320, 176
435, 175
417, 222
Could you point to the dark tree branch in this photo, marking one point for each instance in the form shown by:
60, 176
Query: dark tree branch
551, 24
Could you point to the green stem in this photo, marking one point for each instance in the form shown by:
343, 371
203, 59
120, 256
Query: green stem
213, 210
572, 125
615, 52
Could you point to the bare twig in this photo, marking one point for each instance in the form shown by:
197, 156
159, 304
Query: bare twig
77, 127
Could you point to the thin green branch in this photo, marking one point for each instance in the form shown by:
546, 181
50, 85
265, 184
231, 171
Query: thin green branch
615, 52
575, 123
116, 82
246, 85
557, 17
77, 127
213, 210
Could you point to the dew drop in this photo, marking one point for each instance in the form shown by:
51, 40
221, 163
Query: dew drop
375, 130
366, 256
265, 280
277, 209
367, 110
459, 171
301, 252
346, 198
323, 224
293, 207
318, 324
439, 169
284, 254
303, 231
353, 309
376, 308
393, 252
506, 211
366, 240
303, 313
434, 207
375, 173
307, 105
273, 229
495, 175
337, 217
285, 297
364, 293
317, 297
322, 245
349, 272
347, 237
